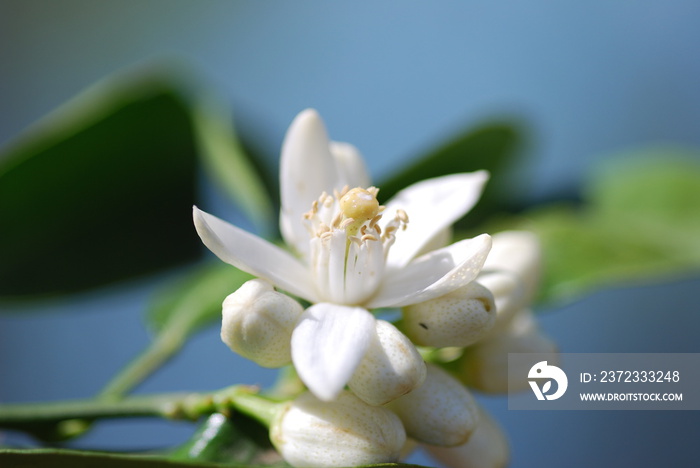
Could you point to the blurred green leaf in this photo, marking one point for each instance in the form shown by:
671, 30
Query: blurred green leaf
100, 190
103, 188
639, 222
228, 164
195, 301
490, 146
179, 310
660, 189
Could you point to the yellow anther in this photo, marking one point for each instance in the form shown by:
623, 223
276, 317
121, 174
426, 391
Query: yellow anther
401, 214
359, 204
347, 222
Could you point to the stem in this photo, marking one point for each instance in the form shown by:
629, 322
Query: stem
256, 407
37, 416
90, 409
156, 354
207, 291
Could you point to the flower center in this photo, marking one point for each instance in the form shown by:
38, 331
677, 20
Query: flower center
348, 245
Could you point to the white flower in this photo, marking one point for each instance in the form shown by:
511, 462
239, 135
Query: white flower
353, 254
309, 432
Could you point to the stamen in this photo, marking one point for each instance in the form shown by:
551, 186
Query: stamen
373, 223
346, 222
335, 223
401, 215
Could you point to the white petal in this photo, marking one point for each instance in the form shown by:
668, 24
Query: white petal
431, 205
307, 169
328, 344
254, 255
351, 168
435, 274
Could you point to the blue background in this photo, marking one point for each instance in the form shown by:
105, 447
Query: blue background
393, 78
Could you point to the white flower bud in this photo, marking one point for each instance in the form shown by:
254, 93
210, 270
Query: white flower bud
258, 323
486, 448
509, 297
518, 253
309, 432
439, 412
391, 367
485, 365
459, 318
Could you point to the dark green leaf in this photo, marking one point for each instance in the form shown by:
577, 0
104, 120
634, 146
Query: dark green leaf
99, 191
60, 458
238, 439
490, 146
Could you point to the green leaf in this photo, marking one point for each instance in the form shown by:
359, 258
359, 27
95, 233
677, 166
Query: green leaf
491, 146
61, 458
100, 190
178, 311
230, 166
639, 222
238, 439
660, 188
195, 300
584, 252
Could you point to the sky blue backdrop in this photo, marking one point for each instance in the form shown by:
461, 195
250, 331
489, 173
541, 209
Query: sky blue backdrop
589, 78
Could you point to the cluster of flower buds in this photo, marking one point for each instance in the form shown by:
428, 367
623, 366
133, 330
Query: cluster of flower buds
370, 389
